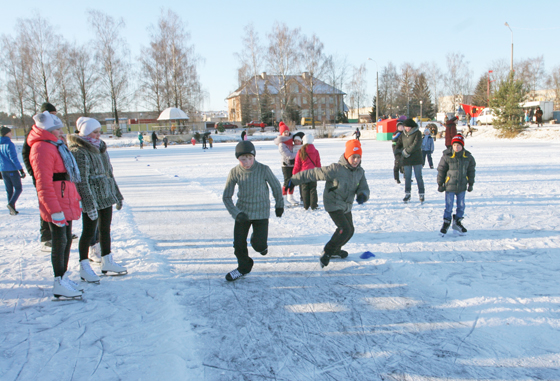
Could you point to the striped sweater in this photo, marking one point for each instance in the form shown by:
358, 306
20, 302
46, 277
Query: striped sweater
253, 193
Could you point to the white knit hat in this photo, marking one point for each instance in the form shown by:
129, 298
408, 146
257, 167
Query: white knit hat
308, 139
47, 121
87, 125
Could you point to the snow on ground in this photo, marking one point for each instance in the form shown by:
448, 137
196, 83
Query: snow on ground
483, 306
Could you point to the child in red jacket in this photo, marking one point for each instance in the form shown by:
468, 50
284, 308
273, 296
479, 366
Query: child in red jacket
308, 158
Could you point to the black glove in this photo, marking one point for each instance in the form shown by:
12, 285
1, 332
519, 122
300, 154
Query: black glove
469, 189
290, 185
242, 217
22, 173
441, 188
292, 162
361, 198
279, 212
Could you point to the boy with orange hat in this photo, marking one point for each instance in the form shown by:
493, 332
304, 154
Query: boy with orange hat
345, 181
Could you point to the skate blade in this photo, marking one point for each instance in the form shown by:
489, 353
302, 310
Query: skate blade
113, 273
62, 298
93, 282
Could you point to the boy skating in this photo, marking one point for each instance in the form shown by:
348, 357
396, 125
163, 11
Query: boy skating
456, 171
252, 207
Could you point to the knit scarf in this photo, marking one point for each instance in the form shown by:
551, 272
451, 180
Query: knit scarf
68, 160
95, 142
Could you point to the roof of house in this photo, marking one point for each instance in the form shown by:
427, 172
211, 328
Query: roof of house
274, 83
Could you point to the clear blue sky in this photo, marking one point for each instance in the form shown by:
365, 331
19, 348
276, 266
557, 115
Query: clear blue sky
387, 31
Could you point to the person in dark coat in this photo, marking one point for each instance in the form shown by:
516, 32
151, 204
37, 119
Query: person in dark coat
456, 171
204, 141
410, 142
397, 153
538, 116
154, 139
450, 131
531, 114
357, 133
11, 169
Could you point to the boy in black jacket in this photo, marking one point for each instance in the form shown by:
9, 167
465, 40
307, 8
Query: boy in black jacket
456, 171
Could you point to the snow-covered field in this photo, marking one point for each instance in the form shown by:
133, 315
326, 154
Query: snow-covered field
483, 306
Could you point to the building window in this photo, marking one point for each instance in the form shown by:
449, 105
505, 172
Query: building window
294, 88
304, 100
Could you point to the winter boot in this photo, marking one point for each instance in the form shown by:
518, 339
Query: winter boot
445, 227
62, 288
74, 285
341, 254
233, 275
406, 198
292, 200
94, 253
86, 272
109, 265
325, 259
421, 197
12, 209
398, 181
458, 226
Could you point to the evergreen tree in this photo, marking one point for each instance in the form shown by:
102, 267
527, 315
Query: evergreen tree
480, 97
506, 105
266, 109
372, 113
246, 114
421, 92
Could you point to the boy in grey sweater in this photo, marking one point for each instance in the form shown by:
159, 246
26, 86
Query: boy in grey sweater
252, 207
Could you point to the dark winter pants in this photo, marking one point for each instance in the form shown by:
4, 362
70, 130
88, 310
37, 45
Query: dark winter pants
344, 231
45, 231
397, 166
259, 241
154, 142
309, 195
429, 155
287, 172
103, 223
61, 244
408, 178
12, 181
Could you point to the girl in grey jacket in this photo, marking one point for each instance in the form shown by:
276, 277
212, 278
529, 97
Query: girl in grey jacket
345, 181
99, 192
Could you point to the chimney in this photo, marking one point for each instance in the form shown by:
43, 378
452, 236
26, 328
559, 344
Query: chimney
263, 75
305, 75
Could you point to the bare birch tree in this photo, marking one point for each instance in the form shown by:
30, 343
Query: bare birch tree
458, 77
252, 58
531, 72
337, 72
169, 66
85, 77
314, 66
388, 90
63, 77
14, 63
407, 78
553, 82
283, 59
41, 43
358, 85
434, 76
111, 52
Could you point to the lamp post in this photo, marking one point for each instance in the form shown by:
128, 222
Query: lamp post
421, 113
376, 90
511, 63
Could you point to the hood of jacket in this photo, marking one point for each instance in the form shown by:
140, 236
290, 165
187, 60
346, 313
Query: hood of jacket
76, 141
39, 135
412, 131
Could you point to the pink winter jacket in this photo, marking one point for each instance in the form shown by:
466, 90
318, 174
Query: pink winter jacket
313, 160
54, 196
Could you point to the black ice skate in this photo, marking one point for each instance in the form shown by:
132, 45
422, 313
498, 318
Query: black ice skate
421, 198
341, 254
445, 227
406, 198
325, 259
233, 275
458, 226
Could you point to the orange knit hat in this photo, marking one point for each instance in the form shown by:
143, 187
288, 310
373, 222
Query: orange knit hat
353, 147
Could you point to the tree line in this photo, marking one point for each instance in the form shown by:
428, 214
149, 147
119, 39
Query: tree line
40, 65
402, 90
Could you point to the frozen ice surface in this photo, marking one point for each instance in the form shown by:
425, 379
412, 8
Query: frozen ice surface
483, 306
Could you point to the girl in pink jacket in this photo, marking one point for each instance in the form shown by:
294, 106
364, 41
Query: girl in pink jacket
55, 172
308, 158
